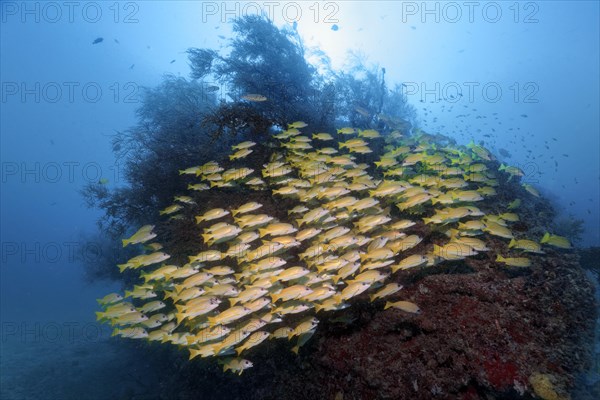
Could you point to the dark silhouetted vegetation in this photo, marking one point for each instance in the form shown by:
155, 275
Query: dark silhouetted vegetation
182, 122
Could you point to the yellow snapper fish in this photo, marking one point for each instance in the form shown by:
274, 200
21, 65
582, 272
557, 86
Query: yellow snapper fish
352, 290
116, 311
304, 326
291, 293
229, 315
131, 333
277, 229
144, 260
406, 306
152, 306
225, 233
369, 134
512, 171
245, 208
416, 260
346, 131
243, 145
514, 204
322, 136
556, 241
292, 307
211, 214
204, 256
480, 151
526, 245
240, 154
235, 174
252, 220
387, 290
476, 244
184, 199
237, 365
302, 339
514, 262
171, 209
496, 229
141, 236
110, 298
248, 295
453, 251
297, 125
531, 190
131, 318
253, 340
290, 274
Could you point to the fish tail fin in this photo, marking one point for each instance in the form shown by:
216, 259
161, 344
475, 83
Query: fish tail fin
274, 298
180, 316
512, 243
238, 277
128, 293
122, 267
545, 238
212, 322
387, 305
125, 242
262, 232
499, 258
373, 297
100, 315
181, 172
336, 278
296, 349
233, 301
199, 219
337, 298
299, 222
427, 220
194, 353
206, 237
115, 332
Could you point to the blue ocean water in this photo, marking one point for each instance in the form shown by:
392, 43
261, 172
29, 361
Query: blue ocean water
522, 77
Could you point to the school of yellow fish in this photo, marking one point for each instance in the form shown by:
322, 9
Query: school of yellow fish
348, 232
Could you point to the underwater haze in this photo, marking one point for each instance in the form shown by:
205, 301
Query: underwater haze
104, 105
